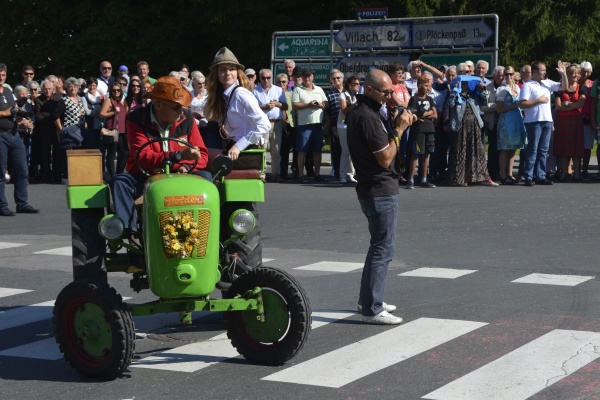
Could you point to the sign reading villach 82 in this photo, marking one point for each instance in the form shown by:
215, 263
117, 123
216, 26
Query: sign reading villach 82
373, 36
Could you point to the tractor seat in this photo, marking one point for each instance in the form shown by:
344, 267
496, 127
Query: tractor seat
236, 173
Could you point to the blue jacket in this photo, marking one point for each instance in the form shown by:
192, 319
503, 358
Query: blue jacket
457, 110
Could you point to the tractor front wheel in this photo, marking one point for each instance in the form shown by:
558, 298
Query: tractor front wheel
287, 317
94, 329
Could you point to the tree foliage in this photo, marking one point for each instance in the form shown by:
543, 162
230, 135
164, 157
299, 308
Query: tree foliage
73, 37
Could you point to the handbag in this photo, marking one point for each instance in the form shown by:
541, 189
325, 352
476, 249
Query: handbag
108, 132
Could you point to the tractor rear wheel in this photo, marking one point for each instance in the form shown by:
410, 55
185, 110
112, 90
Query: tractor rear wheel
287, 317
94, 329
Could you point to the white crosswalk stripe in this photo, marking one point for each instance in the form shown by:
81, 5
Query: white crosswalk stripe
196, 356
522, 373
444, 273
553, 279
25, 315
342, 366
5, 292
59, 251
7, 245
46, 349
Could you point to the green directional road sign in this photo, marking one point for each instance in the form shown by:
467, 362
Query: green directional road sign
317, 46
321, 71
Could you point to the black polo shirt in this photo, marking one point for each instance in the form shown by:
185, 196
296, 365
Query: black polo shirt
7, 101
367, 135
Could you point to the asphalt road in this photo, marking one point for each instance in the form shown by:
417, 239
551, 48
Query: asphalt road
498, 287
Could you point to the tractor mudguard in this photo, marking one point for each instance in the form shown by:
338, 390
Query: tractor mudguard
94, 196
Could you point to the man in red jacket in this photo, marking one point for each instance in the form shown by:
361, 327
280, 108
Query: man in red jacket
166, 116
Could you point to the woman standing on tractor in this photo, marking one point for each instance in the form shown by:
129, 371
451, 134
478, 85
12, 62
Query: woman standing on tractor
242, 124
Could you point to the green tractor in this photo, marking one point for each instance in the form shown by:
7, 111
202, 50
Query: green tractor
197, 236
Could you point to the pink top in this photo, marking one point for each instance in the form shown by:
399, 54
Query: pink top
119, 118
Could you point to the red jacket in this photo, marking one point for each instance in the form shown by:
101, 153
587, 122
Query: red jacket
141, 130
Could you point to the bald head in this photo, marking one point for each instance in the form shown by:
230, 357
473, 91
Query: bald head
377, 84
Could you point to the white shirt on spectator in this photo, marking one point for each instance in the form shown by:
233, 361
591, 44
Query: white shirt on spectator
246, 123
274, 93
532, 90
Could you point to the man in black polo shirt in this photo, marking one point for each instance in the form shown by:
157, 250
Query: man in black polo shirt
13, 148
373, 151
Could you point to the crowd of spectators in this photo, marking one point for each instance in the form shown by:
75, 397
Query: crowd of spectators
469, 130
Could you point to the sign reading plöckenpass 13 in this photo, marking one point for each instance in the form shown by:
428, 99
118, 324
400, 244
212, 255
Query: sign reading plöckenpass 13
451, 33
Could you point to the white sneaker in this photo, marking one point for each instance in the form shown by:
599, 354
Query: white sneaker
351, 179
386, 307
7, 177
383, 318
344, 180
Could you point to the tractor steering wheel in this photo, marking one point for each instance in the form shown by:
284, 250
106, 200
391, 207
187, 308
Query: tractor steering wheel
137, 154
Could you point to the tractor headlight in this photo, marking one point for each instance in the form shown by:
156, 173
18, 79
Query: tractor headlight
111, 227
242, 221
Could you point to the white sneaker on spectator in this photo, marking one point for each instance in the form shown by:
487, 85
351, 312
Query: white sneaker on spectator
7, 177
386, 307
351, 179
383, 318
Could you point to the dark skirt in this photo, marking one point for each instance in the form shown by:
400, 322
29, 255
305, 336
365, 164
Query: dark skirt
467, 162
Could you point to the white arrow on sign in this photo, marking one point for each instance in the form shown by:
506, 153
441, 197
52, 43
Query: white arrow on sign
283, 47
465, 33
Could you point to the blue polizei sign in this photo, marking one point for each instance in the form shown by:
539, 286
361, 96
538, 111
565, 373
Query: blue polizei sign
372, 13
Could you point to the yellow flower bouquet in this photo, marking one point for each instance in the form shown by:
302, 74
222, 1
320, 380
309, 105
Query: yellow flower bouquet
180, 235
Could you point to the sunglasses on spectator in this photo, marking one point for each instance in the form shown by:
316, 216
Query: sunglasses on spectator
116, 91
28, 73
34, 89
280, 82
106, 67
509, 73
135, 86
265, 77
385, 92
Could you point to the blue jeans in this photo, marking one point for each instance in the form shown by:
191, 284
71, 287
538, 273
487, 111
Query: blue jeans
382, 215
538, 144
12, 147
125, 188
309, 134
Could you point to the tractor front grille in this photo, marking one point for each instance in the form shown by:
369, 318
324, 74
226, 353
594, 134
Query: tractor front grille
191, 233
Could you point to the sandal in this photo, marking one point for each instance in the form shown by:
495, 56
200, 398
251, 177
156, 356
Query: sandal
302, 179
320, 178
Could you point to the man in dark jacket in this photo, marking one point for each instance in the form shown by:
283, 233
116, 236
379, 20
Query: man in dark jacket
13, 149
374, 151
